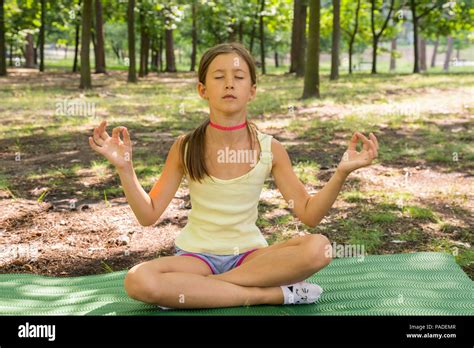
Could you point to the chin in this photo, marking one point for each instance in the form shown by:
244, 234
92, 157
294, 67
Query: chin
230, 109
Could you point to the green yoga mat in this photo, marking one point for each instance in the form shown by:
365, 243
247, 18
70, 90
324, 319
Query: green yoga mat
401, 284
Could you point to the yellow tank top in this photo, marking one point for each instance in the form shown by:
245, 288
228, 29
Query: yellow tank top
223, 213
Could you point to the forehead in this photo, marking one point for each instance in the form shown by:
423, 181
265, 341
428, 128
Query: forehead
228, 61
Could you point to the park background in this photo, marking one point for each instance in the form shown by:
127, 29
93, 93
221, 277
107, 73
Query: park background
65, 65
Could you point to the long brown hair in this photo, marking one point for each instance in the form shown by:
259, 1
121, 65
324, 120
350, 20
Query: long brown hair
193, 160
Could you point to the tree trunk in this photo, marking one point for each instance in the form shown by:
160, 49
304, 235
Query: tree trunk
153, 65
160, 54
422, 54
100, 52
29, 51
254, 29
3, 47
295, 35
374, 54
147, 51
194, 37
298, 40
416, 67
276, 60
262, 37
132, 73
458, 53
169, 47
311, 77
76, 48
41, 35
353, 35
85, 43
301, 54
435, 51
449, 51
11, 52
393, 52
141, 70
336, 34
376, 36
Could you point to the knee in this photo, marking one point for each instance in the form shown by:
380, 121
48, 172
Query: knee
139, 285
318, 251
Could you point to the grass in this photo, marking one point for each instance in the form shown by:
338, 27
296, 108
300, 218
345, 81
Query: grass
415, 212
370, 238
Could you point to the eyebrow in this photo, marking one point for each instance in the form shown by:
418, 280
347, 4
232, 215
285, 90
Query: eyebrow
222, 70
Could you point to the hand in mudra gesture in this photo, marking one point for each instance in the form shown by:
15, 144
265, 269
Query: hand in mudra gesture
115, 150
352, 159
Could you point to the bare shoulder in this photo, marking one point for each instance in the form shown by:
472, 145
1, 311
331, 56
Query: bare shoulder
279, 153
175, 150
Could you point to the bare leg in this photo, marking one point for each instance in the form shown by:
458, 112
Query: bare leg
168, 282
281, 266
188, 290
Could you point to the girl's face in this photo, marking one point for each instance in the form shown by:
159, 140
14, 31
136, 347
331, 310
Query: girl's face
228, 85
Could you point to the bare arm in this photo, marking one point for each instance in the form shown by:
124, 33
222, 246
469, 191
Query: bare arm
312, 209
146, 207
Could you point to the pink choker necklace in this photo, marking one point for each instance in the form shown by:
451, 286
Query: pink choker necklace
215, 125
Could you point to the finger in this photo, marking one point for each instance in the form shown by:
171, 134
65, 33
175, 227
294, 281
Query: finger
115, 134
102, 132
353, 142
372, 147
374, 139
371, 155
364, 140
97, 139
93, 145
126, 136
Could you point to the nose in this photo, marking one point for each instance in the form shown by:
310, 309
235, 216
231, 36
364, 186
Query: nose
229, 83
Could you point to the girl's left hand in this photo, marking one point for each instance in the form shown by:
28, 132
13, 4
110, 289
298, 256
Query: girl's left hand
352, 160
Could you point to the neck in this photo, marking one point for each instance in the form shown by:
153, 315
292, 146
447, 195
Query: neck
227, 137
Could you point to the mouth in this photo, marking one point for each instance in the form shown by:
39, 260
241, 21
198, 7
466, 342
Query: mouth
229, 96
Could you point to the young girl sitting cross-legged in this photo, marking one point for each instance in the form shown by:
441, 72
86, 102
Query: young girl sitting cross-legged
222, 258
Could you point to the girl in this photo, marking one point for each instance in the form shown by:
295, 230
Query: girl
226, 161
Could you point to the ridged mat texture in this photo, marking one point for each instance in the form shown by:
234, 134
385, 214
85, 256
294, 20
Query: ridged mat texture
400, 284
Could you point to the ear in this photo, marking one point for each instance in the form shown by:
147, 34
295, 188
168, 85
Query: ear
253, 92
202, 90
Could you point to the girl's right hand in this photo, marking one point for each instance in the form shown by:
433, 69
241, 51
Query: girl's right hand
117, 152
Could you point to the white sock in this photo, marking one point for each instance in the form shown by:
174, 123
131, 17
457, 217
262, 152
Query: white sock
301, 293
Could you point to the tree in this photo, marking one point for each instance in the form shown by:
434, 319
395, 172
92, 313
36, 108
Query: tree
132, 73
41, 34
336, 34
298, 38
144, 41
76, 45
419, 10
262, 36
100, 47
352, 33
169, 41
85, 43
449, 51
311, 76
3, 50
193, 35
435, 51
376, 36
